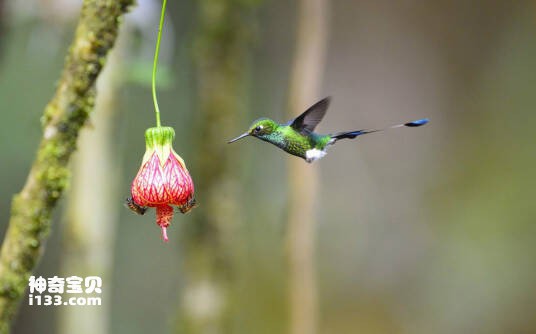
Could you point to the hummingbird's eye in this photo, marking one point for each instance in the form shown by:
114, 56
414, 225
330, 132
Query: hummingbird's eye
258, 128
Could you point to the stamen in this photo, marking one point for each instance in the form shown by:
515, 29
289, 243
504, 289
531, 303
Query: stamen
164, 233
164, 214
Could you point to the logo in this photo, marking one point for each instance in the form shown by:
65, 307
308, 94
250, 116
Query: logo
51, 291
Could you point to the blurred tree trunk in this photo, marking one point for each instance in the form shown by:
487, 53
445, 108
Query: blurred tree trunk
2, 23
222, 45
92, 212
305, 81
63, 118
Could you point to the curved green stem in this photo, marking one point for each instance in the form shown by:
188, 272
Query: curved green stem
156, 51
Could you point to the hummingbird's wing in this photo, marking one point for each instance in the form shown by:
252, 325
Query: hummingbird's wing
307, 122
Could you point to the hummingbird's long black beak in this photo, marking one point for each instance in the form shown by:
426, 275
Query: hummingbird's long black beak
245, 134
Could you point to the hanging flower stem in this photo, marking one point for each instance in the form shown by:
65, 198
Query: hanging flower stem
155, 63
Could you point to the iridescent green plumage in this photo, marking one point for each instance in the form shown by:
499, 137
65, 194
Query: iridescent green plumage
288, 139
298, 138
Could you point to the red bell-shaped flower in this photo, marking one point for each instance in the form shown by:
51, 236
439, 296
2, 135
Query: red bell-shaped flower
163, 179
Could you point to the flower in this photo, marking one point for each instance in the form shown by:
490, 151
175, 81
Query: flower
163, 179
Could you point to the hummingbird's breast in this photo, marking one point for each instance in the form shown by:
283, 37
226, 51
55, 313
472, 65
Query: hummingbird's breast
297, 144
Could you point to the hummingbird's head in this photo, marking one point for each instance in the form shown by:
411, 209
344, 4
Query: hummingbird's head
261, 128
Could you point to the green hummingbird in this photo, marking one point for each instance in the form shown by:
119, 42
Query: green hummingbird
298, 138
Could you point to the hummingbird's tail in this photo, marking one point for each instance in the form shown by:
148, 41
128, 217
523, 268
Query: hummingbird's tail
353, 134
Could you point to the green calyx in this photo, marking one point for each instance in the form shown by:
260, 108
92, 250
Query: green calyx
159, 140
159, 137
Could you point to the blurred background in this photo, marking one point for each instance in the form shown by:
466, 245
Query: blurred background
428, 230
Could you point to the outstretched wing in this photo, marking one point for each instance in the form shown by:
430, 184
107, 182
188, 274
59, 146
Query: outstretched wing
307, 122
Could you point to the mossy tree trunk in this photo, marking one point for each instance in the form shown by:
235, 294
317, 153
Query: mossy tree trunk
63, 118
307, 68
222, 45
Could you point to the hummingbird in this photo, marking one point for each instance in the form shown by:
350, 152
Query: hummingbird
298, 138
